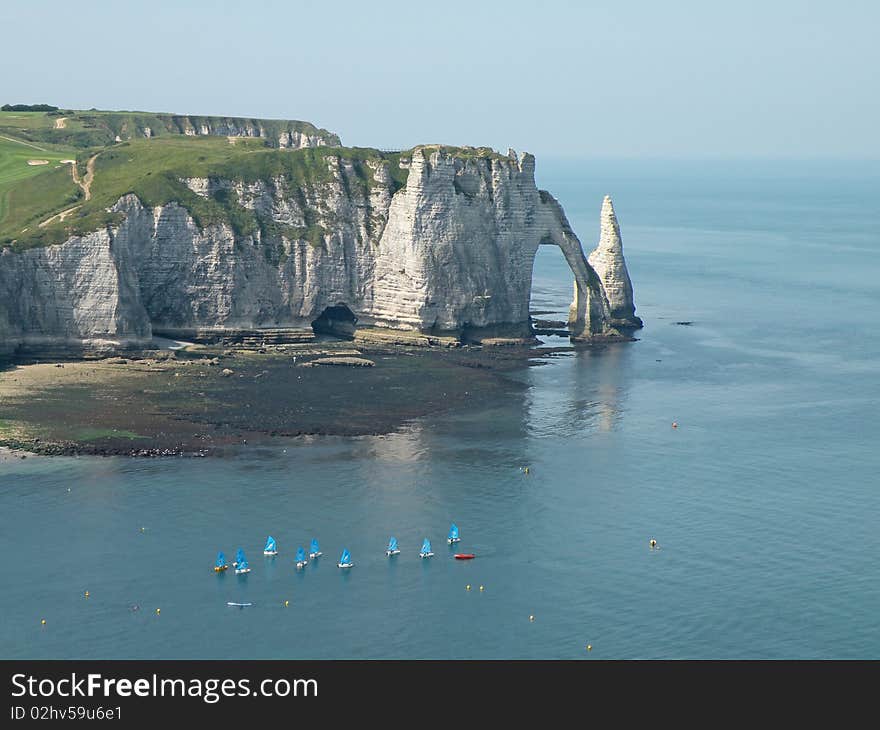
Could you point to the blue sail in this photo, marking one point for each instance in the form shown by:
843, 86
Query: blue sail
392, 545
426, 546
270, 545
453, 532
221, 560
241, 563
314, 549
300, 555
346, 557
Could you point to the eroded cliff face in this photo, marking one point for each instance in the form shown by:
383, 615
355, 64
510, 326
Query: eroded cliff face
276, 133
232, 127
451, 251
82, 295
460, 243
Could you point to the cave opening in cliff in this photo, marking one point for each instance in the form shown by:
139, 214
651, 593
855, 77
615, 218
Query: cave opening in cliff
336, 320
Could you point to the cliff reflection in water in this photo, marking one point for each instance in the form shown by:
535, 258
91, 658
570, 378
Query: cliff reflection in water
581, 392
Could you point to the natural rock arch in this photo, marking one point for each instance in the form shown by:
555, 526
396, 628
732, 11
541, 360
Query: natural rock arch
589, 313
452, 249
459, 248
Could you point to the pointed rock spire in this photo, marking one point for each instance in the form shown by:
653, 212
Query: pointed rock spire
608, 262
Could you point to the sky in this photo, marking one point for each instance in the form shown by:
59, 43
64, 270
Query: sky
563, 79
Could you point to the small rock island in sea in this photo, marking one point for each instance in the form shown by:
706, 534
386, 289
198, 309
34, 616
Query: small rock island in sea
233, 232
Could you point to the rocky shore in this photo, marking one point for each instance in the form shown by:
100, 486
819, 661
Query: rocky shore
211, 400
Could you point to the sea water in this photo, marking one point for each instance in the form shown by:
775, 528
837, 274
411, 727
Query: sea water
764, 501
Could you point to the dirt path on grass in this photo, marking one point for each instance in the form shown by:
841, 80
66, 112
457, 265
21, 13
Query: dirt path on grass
58, 216
85, 182
28, 144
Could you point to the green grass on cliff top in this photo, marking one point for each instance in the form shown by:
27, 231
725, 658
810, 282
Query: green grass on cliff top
14, 167
462, 153
152, 170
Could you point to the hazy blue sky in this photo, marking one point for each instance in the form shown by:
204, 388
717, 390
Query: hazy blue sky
791, 78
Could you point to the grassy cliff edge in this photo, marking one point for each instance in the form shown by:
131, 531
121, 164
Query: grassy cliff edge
61, 172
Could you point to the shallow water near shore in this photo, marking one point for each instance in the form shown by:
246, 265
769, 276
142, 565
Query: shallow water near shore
763, 500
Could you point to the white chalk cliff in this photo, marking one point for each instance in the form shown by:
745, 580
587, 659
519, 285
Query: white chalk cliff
451, 251
608, 262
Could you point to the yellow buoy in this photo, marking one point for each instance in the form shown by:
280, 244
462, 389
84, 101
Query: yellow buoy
42, 622
87, 594
481, 587
589, 647
653, 543
158, 611
467, 587
531, 618
286, 603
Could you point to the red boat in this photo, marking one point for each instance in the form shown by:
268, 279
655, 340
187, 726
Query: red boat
464, 556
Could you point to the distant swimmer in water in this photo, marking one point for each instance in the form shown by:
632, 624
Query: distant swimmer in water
134, 607
674, 424
653, 544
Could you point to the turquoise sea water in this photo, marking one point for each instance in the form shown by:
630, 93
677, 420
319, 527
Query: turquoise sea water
765, 500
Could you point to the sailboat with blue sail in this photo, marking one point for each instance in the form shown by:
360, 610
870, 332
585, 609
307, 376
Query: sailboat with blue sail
241, 563
314, 550
453, 534
220, 565
345, 559
426, 552
271, 547
392, 547
239, 556
301, 560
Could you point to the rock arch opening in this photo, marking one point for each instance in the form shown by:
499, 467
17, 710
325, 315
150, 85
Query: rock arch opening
336, 320
550, 291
